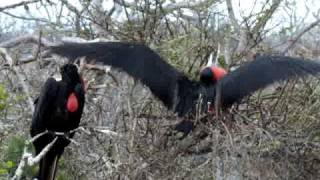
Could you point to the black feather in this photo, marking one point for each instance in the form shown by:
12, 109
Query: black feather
139, 61
261, 72
173, 88
51, 114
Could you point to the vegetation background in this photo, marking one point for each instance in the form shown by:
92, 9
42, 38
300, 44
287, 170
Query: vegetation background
275, 133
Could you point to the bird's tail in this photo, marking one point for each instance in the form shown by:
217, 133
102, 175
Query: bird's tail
48, 167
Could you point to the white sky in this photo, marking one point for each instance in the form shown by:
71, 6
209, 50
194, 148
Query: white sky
8, 2
241, 8
243, 4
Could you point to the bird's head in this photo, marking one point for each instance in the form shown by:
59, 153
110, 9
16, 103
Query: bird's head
211, 74
70, 74
75, 84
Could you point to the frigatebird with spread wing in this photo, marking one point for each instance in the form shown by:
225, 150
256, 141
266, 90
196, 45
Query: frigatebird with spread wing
177, 92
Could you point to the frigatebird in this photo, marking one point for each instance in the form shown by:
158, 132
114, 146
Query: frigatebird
58, 111
177, 92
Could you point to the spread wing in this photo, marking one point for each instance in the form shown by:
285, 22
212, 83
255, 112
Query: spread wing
43, 106
261, 72
140, 62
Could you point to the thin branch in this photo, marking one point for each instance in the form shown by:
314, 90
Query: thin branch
26, 39
169, 7
28, 159
295, 40
71, 7
35, 160
232, 16
26, 89
29, 18
106, 132
23, 3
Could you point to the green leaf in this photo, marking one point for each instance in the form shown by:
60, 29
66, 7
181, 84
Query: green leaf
3, 97
10, 164
3, 172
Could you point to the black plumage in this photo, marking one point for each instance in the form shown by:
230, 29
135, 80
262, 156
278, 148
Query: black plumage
52, 114
206, 76
173, 88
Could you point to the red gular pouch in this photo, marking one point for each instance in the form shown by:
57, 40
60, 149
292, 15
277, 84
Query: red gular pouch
72, 103
218, 72
210, 108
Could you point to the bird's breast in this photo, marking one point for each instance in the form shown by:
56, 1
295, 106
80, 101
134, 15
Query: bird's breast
63, 120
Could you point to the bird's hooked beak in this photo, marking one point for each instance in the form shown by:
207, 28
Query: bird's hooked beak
210, 61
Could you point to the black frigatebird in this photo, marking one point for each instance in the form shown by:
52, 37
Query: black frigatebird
177, 92
58, 111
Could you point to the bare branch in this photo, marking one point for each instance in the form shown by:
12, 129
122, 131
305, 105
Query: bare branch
232, 16
35, 160
294, 41
169, 7
26, 90
106, 132
71, 7
29, 18
23, 3
26, 39
27, 158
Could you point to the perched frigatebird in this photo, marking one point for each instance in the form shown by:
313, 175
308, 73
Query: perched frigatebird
174, 89
58, 111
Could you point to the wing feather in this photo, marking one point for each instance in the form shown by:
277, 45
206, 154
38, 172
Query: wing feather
43, 106
260, 73
138, 60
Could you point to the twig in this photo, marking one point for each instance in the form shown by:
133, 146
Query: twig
27, 158
167, 8
312, 25
29, 18
23, 3
216, 61
37, 136
106, 131
26, 39
26, 89
35, 160
232, 16
228, 133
